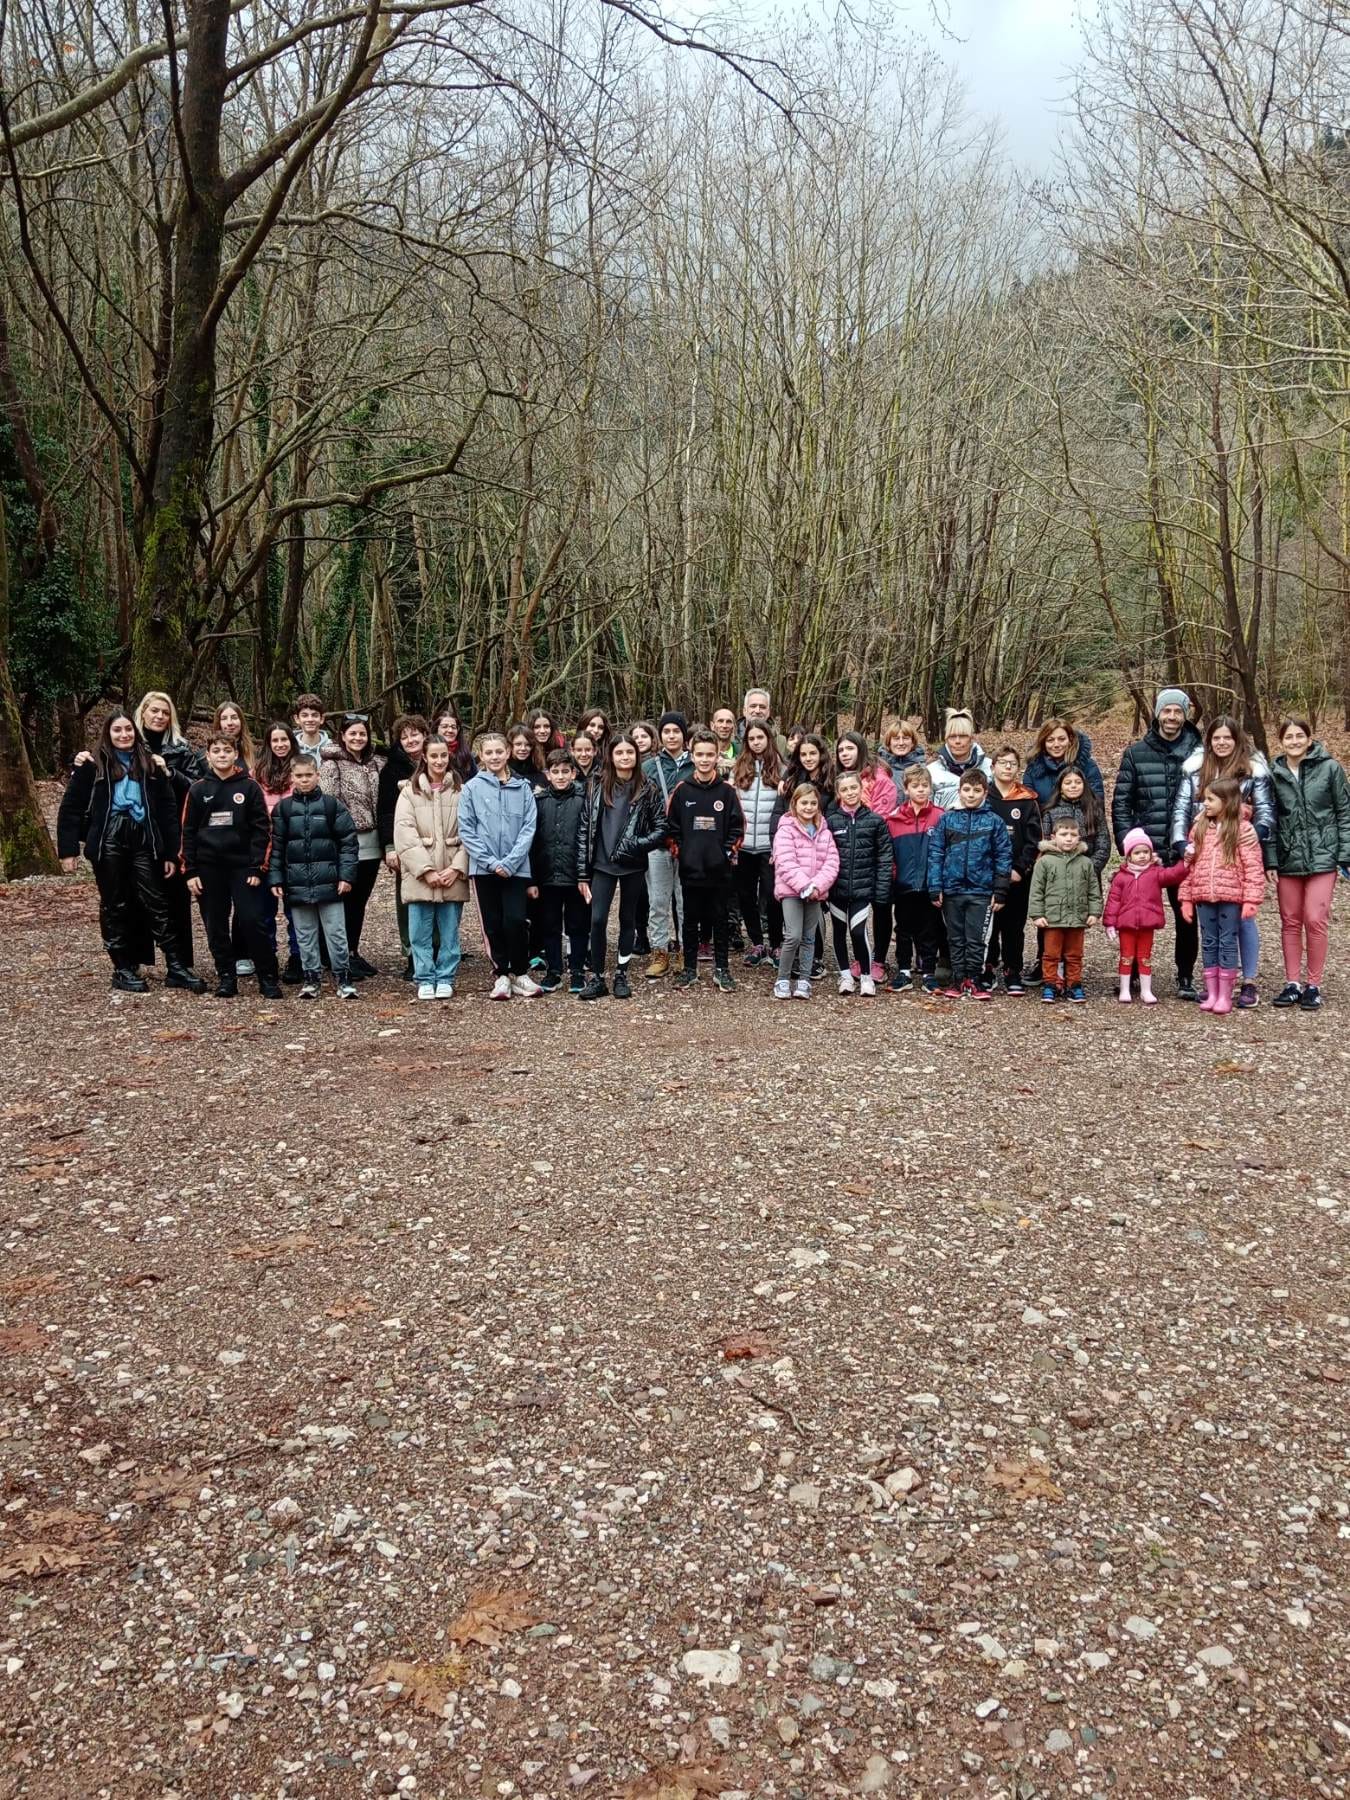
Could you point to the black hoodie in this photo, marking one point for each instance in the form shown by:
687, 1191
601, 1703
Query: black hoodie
705, 824
225, 826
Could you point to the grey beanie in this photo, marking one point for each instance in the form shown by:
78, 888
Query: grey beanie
1171, 697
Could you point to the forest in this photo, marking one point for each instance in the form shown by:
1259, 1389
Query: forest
570, 354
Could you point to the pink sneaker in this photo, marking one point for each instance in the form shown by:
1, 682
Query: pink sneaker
878, 971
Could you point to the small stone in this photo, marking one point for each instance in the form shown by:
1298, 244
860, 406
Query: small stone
881, 1689
1140, 1628
327, 1671
719, 1730
13, 1664
788, 1729
1032, 1317
230, 1357
903, 1481
806, 1495
1216, 1656
987, 1708
1047, 1647
1299, 1616
830, 1668
1058, 1742
722, 1667
876, 1775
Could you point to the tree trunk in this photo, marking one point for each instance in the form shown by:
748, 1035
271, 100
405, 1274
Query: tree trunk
25, 847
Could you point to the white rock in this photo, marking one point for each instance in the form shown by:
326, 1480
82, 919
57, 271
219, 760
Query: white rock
708, 1666
230, 1357
1216, 1656
1058, 1742
876, 1775
806, 1495
882, 1689
991, 1647
987, 1707
510, 1690
1298, 1615
929, 1400
1032, 1317
807, 1259
1140, 1628
327, 1671
1047, 1647
286, 1508
904, 1481
13, 1664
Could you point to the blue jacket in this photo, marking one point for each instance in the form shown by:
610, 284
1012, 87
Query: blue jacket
969, 852
496, 823
1043, 771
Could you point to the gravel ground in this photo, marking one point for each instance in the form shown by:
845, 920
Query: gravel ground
684, 1398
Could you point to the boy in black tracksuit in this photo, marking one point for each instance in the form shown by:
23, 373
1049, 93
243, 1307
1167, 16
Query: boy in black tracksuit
1020, 810
555, 898
866, 874
706, 828
227, 842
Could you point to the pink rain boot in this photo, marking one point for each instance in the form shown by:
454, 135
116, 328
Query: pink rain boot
1124, 994
1146, 993
1211, 999
1227, 982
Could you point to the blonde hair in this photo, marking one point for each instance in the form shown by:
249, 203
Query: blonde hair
804, 789
175, 729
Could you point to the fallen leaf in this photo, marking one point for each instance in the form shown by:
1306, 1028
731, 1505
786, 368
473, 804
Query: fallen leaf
490, 1614
43, 1171
741, 1346
14, 1339
173, 1037
861, 1188
41, 1559
1227, 1066
1203, 1143
1331, 1372
673, 1782
138, 1278
269, 1252
68, 1526
21, 1287
425, 1686
177, 1488
1023, 1480
348, 1309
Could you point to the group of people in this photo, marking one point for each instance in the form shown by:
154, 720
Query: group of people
729, 836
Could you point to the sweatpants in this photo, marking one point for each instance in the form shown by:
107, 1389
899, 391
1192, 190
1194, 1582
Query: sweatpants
630, 889
665, 911
760, 912
707, 918
849, 921
916, 931
316, 925
1218, 922
1007, 933
234, 920
1305, 919
560, 910
502, 901
801, 922
967, 917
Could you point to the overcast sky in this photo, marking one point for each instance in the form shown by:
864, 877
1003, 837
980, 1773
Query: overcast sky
1013, 56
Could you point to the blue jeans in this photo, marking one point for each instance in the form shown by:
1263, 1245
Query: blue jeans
425, 919
1249, 948
1218, 921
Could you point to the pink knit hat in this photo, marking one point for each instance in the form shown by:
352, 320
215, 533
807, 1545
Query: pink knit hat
1137, 840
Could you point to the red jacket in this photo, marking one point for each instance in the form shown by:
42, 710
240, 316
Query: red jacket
1135, 902
880, 797
1210, 879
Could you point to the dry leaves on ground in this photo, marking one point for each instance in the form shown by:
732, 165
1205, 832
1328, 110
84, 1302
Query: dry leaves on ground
272, 1252
15, 1339
24, 1287
1228, 1066
1023, 1480
348, 1309
675, 1783
33, 1561
425, 1687
490, 1614
177, 1488
742, 1346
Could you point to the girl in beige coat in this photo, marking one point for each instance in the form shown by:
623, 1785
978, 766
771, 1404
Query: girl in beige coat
434, 866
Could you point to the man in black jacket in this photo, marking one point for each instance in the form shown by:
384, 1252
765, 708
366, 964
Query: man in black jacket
227, 841
1144, 797
556, 905
706, 827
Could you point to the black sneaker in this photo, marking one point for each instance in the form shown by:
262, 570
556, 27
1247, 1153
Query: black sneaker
643, 946
577, 984
128, 981
595, 989
310, 990
686, 978
622, 991
292, 974
1310, 999
725, 980
1186, 988
1288, 996
549, 983
900, 981
269, 988
227, 987
1012, 983
360, 970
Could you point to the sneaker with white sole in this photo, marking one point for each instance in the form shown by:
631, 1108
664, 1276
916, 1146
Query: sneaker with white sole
426, 990
867, 986
501, 988
310, 989
245, 967
347, 990
802, 991
847, 985
445, 990
525, 988
782, 990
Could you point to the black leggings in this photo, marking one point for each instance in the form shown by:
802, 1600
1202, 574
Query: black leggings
762, 914
631, 888
883, 913
849, 919
501, 906
354, 904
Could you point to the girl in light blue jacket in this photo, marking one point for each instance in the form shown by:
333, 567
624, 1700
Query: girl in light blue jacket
496, 826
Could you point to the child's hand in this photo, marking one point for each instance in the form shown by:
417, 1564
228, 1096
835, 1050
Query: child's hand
170, 866
1187, 911
532, 893
1091, 920
1041, 924
68, 864
1249, 912
937, 899
1189, 853
195, 886
1016, 876
391, 860
279, 892
585, 888
502, 870
253, 881
996, 906
344, 887
1113, 934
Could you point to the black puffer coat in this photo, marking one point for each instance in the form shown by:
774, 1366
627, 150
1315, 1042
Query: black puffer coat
558, 822
398, 768
183, 763
1145, 794
313, 847
866, 862
83, 813
644, 831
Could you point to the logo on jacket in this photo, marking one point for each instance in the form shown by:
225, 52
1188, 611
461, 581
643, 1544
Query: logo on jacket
718, 805
238, 799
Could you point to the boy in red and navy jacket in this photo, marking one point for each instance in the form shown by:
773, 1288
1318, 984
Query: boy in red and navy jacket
918, 923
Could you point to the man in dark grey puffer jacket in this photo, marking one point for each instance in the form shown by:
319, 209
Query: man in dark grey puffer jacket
1144, 797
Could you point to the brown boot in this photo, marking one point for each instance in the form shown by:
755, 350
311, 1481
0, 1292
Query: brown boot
659, 965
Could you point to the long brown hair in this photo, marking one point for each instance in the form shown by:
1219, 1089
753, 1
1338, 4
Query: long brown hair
243, 743
271, 771
141, 768
1086, 802
1229, 791
1048, 730
770, 763
1238, 764
609, 776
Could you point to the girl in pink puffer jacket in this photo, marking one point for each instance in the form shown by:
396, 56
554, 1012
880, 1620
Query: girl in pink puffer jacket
1225, 881
805, 866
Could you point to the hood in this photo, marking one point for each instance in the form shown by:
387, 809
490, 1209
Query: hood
1049, 848
1317, 753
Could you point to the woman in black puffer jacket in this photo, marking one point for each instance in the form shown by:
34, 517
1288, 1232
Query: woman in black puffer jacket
623, 822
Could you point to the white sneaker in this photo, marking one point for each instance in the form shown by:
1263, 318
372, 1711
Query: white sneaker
244, 967
782, 990
847, 985
527, 989
501, 988
426, 990
867, 986
445, 990
802, 991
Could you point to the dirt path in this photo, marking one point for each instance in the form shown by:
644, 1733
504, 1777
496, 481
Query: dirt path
321, 1322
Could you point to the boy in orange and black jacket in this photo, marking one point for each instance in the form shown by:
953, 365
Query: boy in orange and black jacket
227, 844
706, 828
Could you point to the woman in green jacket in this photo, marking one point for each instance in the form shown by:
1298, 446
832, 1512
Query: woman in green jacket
1312, 840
